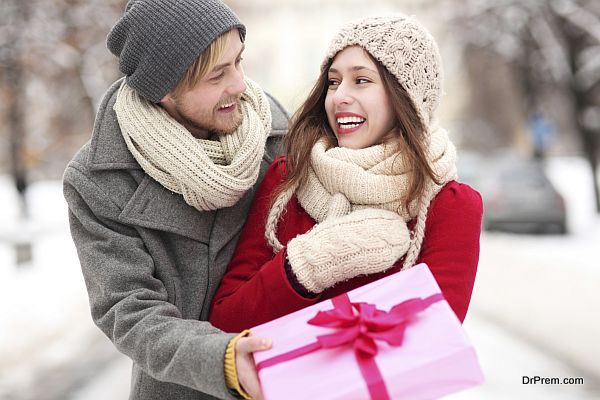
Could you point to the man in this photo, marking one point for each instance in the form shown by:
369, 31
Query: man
159, 195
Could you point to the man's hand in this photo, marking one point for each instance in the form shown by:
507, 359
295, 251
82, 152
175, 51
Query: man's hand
244, 362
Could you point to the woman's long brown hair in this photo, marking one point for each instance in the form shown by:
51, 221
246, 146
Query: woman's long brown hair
309, 124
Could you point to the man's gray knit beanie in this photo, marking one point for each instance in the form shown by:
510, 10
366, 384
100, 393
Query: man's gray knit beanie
157, 40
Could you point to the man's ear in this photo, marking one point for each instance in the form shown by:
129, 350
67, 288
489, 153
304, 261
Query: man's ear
167, 99
168, 104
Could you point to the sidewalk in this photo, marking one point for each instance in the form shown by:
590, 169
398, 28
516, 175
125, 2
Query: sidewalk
546, 292
506, 358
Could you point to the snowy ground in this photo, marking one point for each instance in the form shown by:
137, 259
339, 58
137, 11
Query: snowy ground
532, 312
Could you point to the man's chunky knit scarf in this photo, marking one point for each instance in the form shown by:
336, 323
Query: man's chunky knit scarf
209, 174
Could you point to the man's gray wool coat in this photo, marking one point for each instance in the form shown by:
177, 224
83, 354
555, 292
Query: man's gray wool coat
152, 263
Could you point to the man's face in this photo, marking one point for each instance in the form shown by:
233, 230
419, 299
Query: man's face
213, 105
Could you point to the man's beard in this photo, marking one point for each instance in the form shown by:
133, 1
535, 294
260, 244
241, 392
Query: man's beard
211, 124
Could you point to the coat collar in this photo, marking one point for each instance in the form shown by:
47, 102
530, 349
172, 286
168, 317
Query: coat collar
107, 148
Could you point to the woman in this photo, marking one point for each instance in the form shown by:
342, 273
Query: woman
367, 187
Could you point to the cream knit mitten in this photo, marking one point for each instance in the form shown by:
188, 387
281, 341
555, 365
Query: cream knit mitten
363, 242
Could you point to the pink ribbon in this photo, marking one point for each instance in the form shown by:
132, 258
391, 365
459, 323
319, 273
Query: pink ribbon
361, 329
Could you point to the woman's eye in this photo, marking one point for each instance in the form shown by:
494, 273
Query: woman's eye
362, 80
332, 82
239, 60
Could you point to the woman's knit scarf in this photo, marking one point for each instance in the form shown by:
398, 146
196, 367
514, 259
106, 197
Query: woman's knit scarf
209, 174
341, 180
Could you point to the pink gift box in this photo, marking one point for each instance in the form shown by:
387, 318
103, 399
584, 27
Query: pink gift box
435, 357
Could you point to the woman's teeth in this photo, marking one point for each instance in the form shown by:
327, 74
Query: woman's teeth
350, 122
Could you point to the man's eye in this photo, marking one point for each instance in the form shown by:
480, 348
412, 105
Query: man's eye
218, 77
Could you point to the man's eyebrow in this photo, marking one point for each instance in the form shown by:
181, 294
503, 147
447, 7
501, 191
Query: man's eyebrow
355, 68
225, 65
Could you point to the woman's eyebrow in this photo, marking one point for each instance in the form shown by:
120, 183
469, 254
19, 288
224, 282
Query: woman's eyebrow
355, 68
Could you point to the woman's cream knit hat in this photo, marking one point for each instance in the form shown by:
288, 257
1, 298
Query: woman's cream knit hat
406, 49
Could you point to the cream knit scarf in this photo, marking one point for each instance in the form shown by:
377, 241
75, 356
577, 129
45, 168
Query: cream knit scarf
209, 174
342, 180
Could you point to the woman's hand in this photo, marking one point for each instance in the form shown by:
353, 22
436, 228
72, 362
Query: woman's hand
363, 242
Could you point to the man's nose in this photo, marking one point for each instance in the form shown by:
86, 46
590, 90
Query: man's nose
238, 84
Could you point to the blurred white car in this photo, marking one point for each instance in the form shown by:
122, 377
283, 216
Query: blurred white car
517, 195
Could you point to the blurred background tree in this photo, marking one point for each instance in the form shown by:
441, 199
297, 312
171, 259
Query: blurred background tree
535, 61
53, 67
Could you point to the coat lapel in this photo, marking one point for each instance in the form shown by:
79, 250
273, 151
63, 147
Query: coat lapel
108, 149
155, 207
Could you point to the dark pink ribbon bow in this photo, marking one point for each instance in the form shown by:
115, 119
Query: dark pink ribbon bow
361, 329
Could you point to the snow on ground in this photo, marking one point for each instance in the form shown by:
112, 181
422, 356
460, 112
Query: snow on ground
551, 281
44, 324
110, 383
505, 358
536, 299
532, 309
534, 314
572, 177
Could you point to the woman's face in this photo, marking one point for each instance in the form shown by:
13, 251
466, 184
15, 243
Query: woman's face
358, 108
